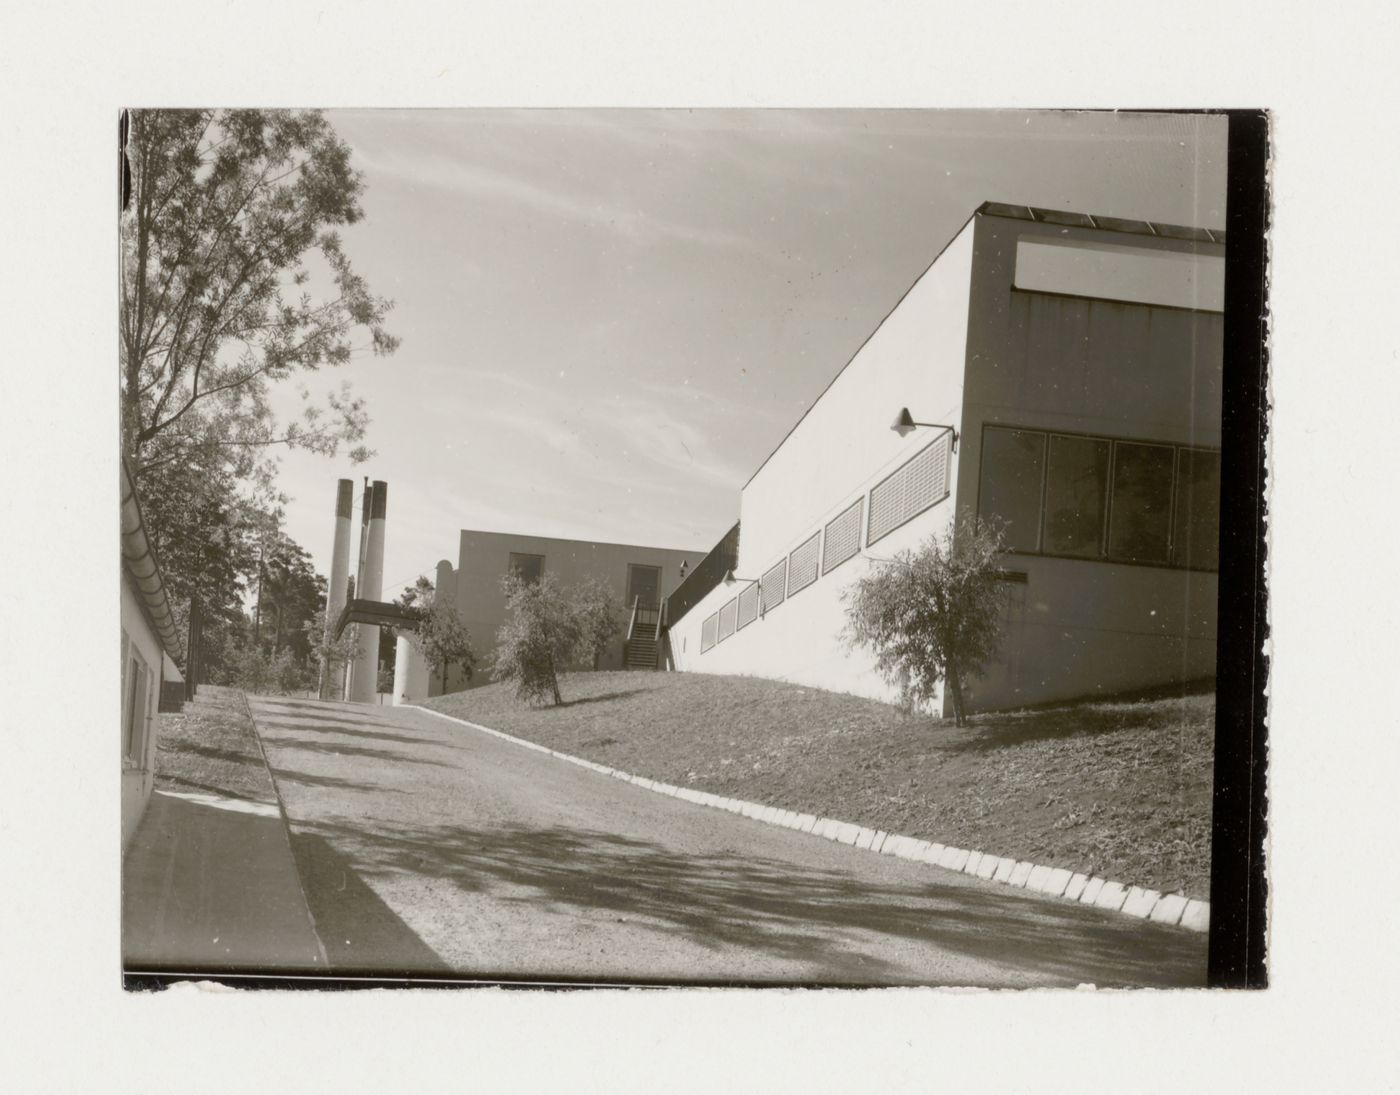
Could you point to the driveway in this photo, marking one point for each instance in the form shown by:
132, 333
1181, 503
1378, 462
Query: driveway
425, 847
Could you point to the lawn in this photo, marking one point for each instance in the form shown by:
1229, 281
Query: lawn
210, 748
1115, 788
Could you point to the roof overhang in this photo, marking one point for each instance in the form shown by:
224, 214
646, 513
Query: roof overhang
378, 613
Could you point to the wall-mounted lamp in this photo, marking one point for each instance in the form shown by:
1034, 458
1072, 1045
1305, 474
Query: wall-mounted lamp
684, 568
730, 578
904, 425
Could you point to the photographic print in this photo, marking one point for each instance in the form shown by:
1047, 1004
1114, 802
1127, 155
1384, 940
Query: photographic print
679, 547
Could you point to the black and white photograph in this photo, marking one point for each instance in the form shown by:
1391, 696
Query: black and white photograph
693, 547
763, 547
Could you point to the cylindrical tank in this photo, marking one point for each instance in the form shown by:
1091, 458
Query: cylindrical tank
364, 679
410, 672
333, 677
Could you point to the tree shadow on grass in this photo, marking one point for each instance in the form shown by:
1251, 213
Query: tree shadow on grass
1156, 709
827, 921
596, 699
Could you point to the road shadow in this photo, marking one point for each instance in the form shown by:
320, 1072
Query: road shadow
359, 932
329, 747
823, 919
333, 728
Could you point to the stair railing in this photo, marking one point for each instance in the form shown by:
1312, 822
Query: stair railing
632, 620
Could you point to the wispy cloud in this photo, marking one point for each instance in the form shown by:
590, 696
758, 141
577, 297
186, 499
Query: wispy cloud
475, 181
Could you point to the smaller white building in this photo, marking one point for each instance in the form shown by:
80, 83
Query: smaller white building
149, 643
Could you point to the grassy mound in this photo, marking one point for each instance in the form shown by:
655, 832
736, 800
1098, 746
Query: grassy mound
1116, 788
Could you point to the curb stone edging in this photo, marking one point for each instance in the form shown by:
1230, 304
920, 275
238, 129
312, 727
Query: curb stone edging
1059, 882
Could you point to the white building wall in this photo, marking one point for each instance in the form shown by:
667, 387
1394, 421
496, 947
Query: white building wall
142, 672
841, 449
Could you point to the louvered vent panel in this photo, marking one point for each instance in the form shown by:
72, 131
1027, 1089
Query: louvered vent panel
916, 486
802, 563
774, 585
748, 606
842, 536
726, 620
707, 632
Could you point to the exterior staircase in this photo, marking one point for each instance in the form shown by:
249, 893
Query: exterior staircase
642, 646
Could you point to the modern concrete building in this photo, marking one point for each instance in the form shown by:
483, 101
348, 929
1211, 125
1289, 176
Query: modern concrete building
150, 644
639, 577
1070, 366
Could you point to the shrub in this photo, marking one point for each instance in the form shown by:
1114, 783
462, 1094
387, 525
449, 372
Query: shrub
933, 613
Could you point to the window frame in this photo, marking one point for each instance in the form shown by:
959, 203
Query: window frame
511, 556
1113, 440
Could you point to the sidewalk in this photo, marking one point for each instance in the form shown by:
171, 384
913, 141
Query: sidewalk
208, 881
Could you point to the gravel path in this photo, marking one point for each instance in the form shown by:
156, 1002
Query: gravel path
426, 847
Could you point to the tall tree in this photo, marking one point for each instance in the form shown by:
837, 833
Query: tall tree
232, 278
225, 214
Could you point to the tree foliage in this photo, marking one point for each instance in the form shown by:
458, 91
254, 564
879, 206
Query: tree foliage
543, 631
225, 210
329, 653
599, 618
233, 279
934, 613
442, 638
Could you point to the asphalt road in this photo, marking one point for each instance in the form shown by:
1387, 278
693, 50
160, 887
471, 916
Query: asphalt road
425, 847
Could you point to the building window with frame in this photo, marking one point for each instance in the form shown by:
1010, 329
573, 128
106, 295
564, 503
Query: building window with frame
1107, 499
528, 568
1139, 521
1076, 496
1196, 527
1013, 465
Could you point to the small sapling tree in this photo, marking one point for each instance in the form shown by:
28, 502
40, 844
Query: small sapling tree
932, 614
539, 637
441, 637
599, 618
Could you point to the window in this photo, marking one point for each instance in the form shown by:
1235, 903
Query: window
1076, 494
920, 483
1013, 463
1102, 498
748, 606
528, 568
707, 632
726, 619
1196, 531
135, 714
802, 564
1139, 524
643, 585
842, 536
774, 585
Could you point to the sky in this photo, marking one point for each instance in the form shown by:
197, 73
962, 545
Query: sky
610, 318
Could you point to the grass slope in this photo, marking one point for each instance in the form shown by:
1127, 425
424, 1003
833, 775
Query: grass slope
210, 748
1119, 789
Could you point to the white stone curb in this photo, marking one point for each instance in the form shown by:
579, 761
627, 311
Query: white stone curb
1057, 882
